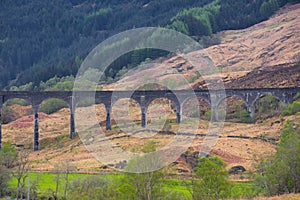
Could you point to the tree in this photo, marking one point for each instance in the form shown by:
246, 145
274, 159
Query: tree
8, 155
280, 173
66, 168
213, 183
8, 159
91, 188
21, 173
4, 179
145, 184
268, 8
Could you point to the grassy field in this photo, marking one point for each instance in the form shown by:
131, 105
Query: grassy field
46, 184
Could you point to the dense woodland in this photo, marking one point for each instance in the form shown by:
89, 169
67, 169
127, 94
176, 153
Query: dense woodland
43, 39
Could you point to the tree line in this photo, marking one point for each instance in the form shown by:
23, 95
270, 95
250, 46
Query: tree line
42, 39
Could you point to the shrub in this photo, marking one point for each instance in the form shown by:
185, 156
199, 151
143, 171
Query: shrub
21, 102
268, 106
213, 183
8, 156
52, 105
291, 109
208, 114
280, 173
90, 187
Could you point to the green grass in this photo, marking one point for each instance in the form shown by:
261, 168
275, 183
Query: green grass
180, 186
245, 190
46, 180
46, 183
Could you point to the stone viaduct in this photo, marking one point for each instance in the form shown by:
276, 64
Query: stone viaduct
143, 98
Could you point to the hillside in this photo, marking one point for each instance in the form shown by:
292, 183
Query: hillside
39, 39
281, 70
264, 55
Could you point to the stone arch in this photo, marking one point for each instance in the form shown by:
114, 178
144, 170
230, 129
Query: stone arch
234, 108
237, 96
126, 111
262, 95
16, 113
196, 107
55, 118
268, 104
161, 112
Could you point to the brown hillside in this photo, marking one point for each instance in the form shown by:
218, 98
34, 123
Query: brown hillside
270, 43
265, 54
270, 51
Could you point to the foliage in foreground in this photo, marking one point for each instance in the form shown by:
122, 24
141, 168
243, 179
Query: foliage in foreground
280, 173
213, 183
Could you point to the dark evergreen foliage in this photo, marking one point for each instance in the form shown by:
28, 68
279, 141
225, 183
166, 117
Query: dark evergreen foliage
41, 39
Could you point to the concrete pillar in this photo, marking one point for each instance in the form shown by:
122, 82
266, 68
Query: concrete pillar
36, 145
251, 110
72, 118
144, 117
108, 120
214, 113
179, 114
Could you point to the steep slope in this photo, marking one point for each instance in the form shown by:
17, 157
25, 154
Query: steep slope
39, 39
236, 151
269, 43
270, 51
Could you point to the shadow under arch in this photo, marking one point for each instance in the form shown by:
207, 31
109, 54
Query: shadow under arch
196, 107
236, 108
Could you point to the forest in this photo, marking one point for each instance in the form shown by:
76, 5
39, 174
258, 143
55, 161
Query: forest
43, 39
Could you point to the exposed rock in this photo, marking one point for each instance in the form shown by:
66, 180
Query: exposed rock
236, 169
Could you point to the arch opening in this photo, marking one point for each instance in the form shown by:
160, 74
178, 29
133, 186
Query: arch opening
293, 107
101, 114
126, 115
236, 110
268, 106
17, 123
161, 115
54, 123
198, 108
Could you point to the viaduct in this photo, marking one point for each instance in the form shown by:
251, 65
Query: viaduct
143, 98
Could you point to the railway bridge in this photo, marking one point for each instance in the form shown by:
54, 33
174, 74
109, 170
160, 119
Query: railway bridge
143, 98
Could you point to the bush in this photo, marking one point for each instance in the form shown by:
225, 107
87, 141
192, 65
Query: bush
21, 102
280, 174
208, 114
242, 114
268, 106
213, 183
291, 109
8, 156
52, 105
4, 179
89, 188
